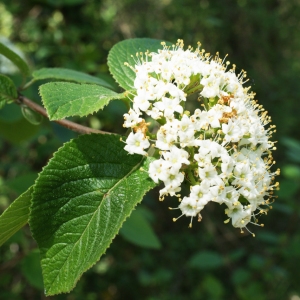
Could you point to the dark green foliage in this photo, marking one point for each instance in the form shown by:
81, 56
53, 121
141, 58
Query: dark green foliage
80, 201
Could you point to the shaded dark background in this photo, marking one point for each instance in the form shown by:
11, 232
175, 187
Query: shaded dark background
212, 260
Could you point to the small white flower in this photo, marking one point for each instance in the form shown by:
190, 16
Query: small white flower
200, 119
175, 92
176, 157
240, 215
230, 196
132, 119
173, 180
141, 101
211, 86
141, 80
210, 148
158, 170
168, 106
188, 206
202, 194
154, 113
232, 131
210, 174
136, 143
186, 132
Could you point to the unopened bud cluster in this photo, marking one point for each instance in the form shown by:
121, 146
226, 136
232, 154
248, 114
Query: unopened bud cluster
222, 149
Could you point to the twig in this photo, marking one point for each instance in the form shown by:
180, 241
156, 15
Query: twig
68, 124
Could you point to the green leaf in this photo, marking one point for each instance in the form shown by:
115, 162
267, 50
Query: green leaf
293, 146
240, 276
65, 99
11, 113
8, 90
288, 190
80, 201
206, 260
31, 116
15, 216
138, 231
122, 52
291, 171
31, 269
21, 183
17, 132
16, 59
213, 287
69, 75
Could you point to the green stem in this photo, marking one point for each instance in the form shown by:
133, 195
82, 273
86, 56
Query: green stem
27, 85
194, 90
191, 152
205, 103
161, 121
151, 135
191, 176
151, 151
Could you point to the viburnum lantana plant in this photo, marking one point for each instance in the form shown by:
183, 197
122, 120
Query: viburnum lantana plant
221, 149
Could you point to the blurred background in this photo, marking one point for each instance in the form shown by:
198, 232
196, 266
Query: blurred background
154, 258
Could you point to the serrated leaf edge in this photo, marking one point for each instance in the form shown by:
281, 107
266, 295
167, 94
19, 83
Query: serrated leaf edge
126, 217
52, 116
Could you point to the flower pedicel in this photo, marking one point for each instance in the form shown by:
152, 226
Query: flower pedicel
222, 148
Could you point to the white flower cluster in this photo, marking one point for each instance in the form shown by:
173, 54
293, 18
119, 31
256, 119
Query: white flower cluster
222, 149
